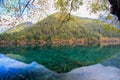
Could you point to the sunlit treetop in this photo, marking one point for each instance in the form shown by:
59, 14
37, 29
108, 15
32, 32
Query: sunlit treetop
68, 5
14, 11
98, 5
17, 7
33, 7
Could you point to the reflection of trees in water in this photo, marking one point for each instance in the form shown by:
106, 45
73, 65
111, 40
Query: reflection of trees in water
115, 61
61, 58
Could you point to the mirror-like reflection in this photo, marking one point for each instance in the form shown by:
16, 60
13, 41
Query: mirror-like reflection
61, 58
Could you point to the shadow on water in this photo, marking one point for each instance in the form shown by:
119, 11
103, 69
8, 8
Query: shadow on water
61, 58
115, 62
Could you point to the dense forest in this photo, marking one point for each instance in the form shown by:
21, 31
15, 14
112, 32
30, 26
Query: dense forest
59, 26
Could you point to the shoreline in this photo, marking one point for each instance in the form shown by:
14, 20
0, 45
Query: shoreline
103, 41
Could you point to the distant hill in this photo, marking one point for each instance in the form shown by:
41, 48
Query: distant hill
59, 26
19, 27
28, 23
110, 19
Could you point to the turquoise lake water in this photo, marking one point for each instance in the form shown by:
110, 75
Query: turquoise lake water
61, 59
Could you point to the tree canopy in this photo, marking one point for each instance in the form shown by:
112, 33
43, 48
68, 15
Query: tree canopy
18, 7
15, 6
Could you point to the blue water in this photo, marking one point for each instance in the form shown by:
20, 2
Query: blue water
41, 62
61, 58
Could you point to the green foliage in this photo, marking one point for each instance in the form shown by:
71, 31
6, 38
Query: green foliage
17, 7
16, 29
68, 5
56, 27
98, 5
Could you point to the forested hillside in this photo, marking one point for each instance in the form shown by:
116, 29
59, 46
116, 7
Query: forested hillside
61, 26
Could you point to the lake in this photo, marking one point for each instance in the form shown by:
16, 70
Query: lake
62, 59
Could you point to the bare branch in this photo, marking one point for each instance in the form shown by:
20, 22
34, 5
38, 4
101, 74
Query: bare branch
19, 3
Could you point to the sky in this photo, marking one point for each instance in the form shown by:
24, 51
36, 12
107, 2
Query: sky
38, 14
84, 12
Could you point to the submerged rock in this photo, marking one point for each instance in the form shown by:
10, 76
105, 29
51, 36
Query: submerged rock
11, 69
95, 72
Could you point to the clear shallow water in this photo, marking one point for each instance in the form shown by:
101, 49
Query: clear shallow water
11, 69
94, 72
61, 58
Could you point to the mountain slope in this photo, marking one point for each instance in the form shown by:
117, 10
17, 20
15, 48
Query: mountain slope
60, 26
19, 27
